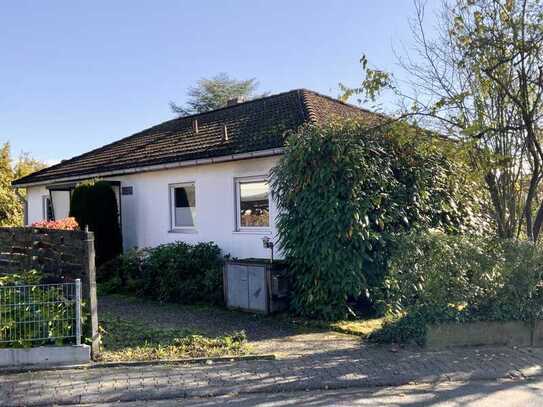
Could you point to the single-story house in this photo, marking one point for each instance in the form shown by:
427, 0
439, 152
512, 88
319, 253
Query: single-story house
198, 178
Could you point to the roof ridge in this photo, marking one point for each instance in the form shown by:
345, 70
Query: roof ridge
309, 108
333, 99
246, 102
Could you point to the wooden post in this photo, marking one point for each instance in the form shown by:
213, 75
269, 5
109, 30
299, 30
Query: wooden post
90, 291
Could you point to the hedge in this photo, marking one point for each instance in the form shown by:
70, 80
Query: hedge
175, 272
344, 190
436, 278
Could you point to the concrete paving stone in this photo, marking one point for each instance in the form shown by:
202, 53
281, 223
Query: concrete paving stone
363, 366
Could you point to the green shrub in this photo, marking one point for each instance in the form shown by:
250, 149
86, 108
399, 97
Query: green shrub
409, 328
344, 190
22, 278
123, 273
176, 272
433, 278
184, 273
95, 205
26, 322
80, 204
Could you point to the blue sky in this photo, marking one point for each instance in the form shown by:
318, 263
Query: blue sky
76, 75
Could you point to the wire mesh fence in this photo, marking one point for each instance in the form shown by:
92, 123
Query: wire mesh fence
32, 315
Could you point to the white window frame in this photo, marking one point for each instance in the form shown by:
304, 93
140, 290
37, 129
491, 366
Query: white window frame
44, 200
237, 203
173, 227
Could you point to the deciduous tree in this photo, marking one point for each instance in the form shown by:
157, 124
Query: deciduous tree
11, 201
479, 80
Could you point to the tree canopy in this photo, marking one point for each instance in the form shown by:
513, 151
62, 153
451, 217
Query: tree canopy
478, 78
11, 204
26, 165
214, 93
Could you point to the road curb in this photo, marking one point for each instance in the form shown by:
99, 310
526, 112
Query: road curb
101, 365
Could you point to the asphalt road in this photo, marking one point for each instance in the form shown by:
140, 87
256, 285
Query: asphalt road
511, 393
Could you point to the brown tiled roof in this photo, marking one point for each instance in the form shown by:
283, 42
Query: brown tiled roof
252, 126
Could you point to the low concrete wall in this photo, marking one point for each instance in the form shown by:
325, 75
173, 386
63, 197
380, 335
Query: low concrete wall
506, 333
45, 356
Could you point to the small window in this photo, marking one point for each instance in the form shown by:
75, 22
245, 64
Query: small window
183, 203
47, 213
253, 204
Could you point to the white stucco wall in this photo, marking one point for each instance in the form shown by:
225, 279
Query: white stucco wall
34, 198
146, 213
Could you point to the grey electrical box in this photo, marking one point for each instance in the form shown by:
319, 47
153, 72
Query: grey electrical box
256, 285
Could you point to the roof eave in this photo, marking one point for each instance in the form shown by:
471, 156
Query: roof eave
157, 167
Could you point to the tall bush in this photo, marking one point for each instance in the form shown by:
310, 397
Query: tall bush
433, 278
95, 205
344, 189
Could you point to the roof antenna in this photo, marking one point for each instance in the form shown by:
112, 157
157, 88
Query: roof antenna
224, 133
195, 125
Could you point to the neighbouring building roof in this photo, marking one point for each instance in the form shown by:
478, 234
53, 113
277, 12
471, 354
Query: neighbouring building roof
253, 126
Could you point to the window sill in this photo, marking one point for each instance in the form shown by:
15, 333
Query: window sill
263, 232
184, 231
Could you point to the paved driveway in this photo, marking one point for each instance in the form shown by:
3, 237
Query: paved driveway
366, 366
510, 393
314, 360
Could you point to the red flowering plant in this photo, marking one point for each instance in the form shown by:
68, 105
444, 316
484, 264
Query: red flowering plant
61, 224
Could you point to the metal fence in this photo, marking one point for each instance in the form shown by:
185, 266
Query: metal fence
32, 315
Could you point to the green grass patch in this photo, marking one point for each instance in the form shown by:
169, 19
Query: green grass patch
128, 340
362, 327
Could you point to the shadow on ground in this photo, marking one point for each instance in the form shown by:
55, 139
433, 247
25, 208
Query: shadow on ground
359, 367
481, 394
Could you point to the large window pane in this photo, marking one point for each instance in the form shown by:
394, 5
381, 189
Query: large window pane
184, 202
61, 203
254, 205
